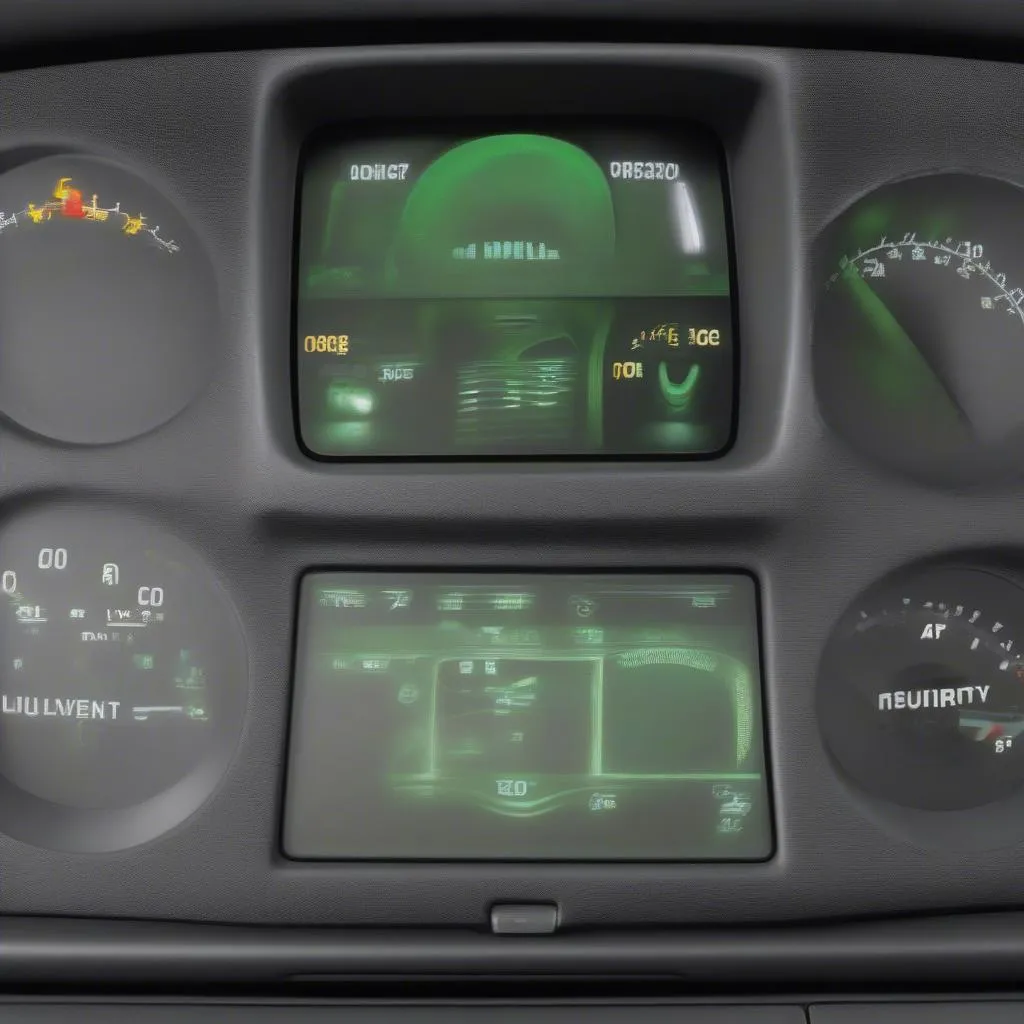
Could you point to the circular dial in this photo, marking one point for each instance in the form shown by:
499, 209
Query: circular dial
122, 675
921, 696
107, 304
919, 329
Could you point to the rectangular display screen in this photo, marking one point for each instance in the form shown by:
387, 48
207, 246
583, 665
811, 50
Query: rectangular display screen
508, 717
517, 294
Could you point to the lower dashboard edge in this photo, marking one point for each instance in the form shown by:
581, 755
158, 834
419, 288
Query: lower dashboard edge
981, 951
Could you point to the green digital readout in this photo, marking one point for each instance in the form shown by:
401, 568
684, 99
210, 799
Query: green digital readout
515, 294
536, 718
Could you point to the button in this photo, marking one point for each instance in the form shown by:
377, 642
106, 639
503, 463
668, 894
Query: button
529, 919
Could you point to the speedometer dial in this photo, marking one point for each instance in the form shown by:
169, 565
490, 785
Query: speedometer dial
919, 329
122, 680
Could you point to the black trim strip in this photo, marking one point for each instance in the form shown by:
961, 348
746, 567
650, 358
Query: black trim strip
983, 950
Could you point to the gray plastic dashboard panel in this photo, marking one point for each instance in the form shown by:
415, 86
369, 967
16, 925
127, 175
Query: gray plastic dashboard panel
400, 1015
950, 954
27, 22
919, 1013
805, 134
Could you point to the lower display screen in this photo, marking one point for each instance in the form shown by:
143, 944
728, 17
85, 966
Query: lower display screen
510, 717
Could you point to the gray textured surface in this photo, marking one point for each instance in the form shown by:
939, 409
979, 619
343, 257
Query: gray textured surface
398, 1015
789, 503
27, 21
920, 1013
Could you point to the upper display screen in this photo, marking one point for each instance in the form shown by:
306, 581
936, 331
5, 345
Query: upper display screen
497, 717
515, 295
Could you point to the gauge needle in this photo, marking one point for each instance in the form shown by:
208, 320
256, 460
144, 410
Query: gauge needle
897, 367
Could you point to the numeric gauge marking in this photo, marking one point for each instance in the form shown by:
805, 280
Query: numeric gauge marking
963, 257
914, 364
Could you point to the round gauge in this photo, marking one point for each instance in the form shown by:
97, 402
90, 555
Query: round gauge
122, 681
921, 695
919, 329
107, 307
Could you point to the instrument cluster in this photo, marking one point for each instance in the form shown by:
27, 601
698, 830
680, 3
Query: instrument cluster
563, 502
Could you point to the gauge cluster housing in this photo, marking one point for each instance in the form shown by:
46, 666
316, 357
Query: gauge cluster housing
805, 134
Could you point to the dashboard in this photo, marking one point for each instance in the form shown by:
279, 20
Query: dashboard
511, 509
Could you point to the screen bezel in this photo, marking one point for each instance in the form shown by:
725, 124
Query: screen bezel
491, 572
329, 136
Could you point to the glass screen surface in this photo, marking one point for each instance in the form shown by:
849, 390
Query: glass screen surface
515, 294
490, 717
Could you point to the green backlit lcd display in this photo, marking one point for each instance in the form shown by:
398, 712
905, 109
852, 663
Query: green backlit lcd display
515, 294
510, 717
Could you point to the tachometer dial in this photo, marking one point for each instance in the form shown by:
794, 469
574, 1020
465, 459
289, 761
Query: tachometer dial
921, 696
122, 679
919, 329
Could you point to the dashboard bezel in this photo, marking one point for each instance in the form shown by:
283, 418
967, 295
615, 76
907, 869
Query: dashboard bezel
724, 99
